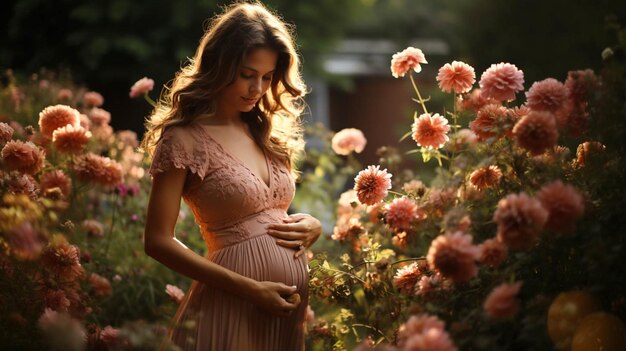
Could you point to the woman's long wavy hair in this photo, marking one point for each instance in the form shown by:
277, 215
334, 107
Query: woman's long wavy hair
275, 120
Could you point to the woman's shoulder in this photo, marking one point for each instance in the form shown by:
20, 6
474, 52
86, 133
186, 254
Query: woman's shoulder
180, 146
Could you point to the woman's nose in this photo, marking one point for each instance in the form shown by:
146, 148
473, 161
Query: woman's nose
256, 86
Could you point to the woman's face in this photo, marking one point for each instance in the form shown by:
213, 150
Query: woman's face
251, 82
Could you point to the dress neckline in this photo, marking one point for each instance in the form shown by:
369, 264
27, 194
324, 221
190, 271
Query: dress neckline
267, 184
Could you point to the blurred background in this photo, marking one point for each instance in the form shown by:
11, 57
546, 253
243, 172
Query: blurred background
346, 47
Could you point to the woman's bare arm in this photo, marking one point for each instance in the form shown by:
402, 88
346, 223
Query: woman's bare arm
161, 244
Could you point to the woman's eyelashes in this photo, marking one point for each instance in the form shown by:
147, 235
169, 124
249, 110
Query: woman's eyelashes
250, 76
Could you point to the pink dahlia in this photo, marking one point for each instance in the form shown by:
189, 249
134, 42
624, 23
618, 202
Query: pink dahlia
57, 116
63, 260
473, 101
93, 99
64, 94
462, 139
93, 227
520, 219
518, 112
454, 256
401, 212
348, 140
175, 293
25, 157
101, 285
348, 229
536, 132
20, 183
429, 284
564, 203
430, 131
581, 85
99, 116
85, 122
409, 58
62, 332
490, 121
407, 277
102, 132
587, 151
502, 303
433, 339
546, 95
24, 241
98, 169
486, 177
128, 137
142, 86
56, 179
457, 76
110, 336
419, 324
371, 185
414, 187
56, 300
493, 252
6, 132
70, 139
501, 81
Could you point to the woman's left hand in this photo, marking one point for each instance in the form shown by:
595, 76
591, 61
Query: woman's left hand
298, 231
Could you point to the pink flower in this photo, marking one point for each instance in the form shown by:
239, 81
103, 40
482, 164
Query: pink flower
546, 95
493, 252
128, 137
454, 256
431, 340
142, 86
462, 139
56, 300
587, 151
98, 169
458, 77
20, 183
61, 331
581, 84
564, 203
419, 324
430, 131
348, 229
371, 185
25, 157
175, 293
64, 94
502, 303
428, 285
414, 187
101, 285
93, 227
93, 99
56, 179
110, 336
70, 139
536, 132
64, 261
486, 177
57, 116
23, 241
85, 122
102, 132
6, 132
490, 121
501, 81
99, 116
407, 277
473, 101
409, 58
520, 219
401, 213
348, 140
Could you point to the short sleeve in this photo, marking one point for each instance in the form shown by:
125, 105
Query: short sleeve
179, 148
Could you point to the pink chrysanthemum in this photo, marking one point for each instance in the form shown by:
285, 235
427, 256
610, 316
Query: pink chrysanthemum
65, 94
414, 187
174, 292
564, 203
502, 303
428, 285
63, 260
348, 229
101, 285
6, 132
22, 156
457, 76
110, 336
93, 227
57, 116
490, 121
401, 212
462, 139
62, 331
486, 177
141, 87
520, 219
433, 339
93, 99
581, 84
56, 300
56, 179
23, 241
473, 101
372, 184
70, 139
586, 152
518, 112
454, 256
501, 81
546, 95
536, 132
99, 116
493, 252
419, 324
128, 137
20, 183
347, 141
407, 277
98, 169
430, 131
102, 132
85, 122
409, 58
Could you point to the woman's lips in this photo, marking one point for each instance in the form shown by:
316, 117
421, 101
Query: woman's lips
249, 100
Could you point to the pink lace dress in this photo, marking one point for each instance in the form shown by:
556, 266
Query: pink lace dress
232, 207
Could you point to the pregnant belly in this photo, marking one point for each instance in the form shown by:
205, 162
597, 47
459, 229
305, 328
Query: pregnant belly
261, 259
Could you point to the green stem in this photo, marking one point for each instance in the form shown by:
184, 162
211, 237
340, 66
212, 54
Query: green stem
408, 260
372, 328
346, 273
149, 99
419, 96
396, 193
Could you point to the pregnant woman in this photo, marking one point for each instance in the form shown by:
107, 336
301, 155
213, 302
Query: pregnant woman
224, 137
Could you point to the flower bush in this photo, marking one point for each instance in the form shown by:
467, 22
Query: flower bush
524, 207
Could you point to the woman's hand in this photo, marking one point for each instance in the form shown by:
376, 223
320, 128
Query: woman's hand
298, 232
276, 298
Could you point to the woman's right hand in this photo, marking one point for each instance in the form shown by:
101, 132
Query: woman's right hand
276, 298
